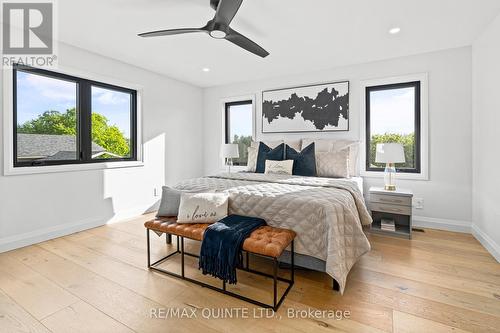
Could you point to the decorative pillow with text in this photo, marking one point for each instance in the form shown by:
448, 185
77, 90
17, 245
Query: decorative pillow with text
202, 207
284, 167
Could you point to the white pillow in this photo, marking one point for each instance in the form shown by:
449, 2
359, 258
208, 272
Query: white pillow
284, 167
320, 145
353, 159
270, 144
295, 144
333, 164
252, 159
202, 207
330, 145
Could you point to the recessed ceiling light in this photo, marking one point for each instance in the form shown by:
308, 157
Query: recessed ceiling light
205, 69
394, 30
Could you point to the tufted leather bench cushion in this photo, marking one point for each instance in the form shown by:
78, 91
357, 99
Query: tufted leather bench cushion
266, 240
168, 224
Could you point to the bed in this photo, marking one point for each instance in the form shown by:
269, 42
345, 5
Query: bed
326, 213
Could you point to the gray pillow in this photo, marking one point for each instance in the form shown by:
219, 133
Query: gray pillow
171, 200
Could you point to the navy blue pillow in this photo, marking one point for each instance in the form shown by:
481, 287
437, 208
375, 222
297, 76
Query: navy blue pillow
304, 162
266, 153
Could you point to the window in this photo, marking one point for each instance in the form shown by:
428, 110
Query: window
393, 114
111, 106
61, 119
239, 127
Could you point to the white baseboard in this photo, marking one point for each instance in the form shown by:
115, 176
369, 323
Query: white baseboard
490, 245
129, 214
41, 235
442, 224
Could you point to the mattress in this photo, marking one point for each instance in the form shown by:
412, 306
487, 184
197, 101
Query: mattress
326, 213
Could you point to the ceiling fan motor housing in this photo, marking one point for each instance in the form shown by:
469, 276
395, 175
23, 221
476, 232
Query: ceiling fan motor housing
217, 30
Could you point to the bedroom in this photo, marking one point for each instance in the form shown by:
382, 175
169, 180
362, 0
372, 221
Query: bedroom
72, 237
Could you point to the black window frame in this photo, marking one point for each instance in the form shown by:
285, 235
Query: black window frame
227, 107
84, 119
418, 111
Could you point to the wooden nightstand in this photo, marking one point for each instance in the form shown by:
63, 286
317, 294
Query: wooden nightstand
391, 205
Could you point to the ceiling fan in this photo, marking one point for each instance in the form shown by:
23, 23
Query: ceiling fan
218, 27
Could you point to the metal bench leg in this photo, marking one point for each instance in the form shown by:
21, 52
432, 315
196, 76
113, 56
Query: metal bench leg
275, 283
182, 256
293, 264
168, 238
276, 302
149, 250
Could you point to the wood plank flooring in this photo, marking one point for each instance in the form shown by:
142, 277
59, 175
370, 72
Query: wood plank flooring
97, 281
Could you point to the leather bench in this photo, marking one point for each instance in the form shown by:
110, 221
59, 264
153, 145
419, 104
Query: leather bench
264, 241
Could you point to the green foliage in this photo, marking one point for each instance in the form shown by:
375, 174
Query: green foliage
51, 122
107, 136
407, 140
243, 143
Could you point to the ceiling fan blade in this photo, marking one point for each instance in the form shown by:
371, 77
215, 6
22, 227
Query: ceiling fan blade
226, 11
240, 40
170, 32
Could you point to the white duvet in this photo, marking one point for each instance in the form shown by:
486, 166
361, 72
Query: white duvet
327, 214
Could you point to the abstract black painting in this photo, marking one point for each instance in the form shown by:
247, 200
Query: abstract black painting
315, 108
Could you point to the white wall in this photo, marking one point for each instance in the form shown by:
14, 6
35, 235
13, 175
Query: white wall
486, 150
448, 193
36, 207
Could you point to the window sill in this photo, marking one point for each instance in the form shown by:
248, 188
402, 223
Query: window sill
399, 175
11, 171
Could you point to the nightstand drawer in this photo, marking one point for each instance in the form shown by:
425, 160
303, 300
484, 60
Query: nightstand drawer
388, 208
390, 199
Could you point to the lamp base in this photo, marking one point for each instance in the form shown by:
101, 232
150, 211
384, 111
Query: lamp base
389, 176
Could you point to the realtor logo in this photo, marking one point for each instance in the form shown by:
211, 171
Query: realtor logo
28, 29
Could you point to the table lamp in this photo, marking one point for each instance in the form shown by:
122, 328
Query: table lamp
390, 154
228, 151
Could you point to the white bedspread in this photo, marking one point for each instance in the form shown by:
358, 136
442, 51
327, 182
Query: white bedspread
327, 214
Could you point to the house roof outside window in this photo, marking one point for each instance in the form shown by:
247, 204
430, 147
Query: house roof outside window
52, 147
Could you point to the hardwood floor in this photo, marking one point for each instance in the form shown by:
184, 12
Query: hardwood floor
97, 281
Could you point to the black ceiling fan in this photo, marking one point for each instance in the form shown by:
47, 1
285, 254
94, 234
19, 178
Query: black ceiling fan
218, 27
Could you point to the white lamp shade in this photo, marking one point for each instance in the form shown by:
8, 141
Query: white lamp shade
229, 150
390, 153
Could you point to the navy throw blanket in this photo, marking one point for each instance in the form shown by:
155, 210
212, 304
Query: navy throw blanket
221, 246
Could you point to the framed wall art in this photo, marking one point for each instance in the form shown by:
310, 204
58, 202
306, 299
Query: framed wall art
313, 108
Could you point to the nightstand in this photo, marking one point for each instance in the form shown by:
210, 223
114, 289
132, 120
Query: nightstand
389, 207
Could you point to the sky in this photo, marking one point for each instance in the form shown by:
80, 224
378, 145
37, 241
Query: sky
392, 111
37, 94
241, 120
